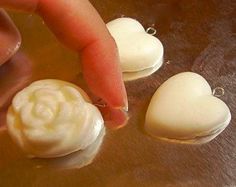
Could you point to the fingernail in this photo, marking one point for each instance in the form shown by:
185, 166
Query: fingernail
124, 109
114, 126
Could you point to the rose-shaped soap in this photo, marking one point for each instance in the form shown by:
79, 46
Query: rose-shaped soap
53, 118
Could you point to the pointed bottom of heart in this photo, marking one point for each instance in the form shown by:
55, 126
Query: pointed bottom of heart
114, 118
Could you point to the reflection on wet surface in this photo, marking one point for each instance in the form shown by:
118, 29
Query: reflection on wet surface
75, 160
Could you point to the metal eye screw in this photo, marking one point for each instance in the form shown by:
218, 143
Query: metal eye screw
218, 92
152, 31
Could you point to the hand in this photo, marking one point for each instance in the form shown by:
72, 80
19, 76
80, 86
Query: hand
15, 74
77, 24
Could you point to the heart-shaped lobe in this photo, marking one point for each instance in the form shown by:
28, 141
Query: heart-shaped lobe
184, 110
138, 50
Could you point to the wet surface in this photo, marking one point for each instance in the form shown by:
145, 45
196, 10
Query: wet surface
198, 36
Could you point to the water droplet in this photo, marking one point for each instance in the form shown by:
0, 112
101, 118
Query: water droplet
151, 30
218, 92
168, 62
38, 166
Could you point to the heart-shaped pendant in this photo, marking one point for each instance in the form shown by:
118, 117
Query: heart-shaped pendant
183, 110
141, 54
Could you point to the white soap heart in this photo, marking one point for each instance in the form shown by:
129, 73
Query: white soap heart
140, 53
184, 110
52, 118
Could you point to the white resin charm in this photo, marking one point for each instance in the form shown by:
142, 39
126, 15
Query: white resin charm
183, 110
141, 54
53, 118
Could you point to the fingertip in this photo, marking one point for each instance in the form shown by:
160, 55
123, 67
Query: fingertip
114, 126
115, 118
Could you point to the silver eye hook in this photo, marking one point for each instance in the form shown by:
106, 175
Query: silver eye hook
151, 30
218, 92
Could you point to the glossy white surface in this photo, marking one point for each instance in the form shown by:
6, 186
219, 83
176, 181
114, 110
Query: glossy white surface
52, 118
184, 109
138, 50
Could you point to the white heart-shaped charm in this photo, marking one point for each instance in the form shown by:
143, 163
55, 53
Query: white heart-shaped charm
184, 110
141, 54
